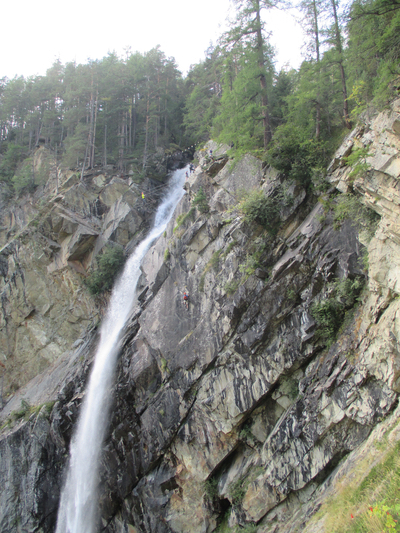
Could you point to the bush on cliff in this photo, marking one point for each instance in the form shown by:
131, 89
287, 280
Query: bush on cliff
23, 179
261, 209
12, 156
330, 313
109, 264
200, 201
295, 154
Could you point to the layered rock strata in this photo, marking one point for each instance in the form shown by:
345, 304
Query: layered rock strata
49, 241
242, 410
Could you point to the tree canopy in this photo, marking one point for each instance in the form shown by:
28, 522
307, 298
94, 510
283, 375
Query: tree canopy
124, 111
110, 111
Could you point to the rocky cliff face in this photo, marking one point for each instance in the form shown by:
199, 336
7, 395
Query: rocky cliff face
244, 409
48, 242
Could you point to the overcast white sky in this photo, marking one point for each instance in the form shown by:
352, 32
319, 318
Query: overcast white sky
35, 34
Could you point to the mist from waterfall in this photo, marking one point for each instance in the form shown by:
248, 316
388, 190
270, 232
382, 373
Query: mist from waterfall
78, 508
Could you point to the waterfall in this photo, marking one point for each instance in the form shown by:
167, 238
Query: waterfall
78, 505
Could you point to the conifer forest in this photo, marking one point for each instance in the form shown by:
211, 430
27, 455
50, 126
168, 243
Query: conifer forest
124, 111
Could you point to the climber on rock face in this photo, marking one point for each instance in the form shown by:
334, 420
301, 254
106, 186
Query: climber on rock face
186, 299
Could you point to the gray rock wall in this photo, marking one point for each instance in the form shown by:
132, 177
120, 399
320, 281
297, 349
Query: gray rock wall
49, 242
242, 408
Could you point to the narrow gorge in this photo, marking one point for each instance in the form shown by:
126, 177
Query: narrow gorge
251, 409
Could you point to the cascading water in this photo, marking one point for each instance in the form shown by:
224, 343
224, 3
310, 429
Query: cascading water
78, 506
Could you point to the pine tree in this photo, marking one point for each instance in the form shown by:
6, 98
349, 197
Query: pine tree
248, 60
311, 17
203, 87
336, 57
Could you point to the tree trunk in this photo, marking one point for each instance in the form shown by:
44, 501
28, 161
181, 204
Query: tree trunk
263, 81
130, 123
146, 134
105, 137
121, 144
134, 121
94, 132
318, 101
86, 153
56, 171
91, 121
105, 145
166, 108
341, 67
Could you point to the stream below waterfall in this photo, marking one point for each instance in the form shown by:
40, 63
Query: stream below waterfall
78, 504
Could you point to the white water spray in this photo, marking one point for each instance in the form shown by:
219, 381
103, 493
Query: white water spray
78, 505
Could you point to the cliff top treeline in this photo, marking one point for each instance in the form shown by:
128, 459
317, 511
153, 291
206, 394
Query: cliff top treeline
123, 111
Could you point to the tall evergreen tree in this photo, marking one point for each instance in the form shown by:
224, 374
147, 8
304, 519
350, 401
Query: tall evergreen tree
311, 17
373, 50
248, 59
203, 88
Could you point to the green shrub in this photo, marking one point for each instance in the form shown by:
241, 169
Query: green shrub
249, 267
109, 264
211, 488
263, 210
358, 160
163, 365
229, 248
202, 281
249, 528
212, 263
259, 208
290, 387
48, 407
245, 432
200, 201
23, 179
23, 412
13, 156
179, 220
231, 287
295, 154
348, 290
223, 526
237, 492
329, 314
291, 294
26, 410
349, 207
182, 218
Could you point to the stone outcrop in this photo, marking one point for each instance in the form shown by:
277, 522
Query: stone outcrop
243, 409
49, 241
